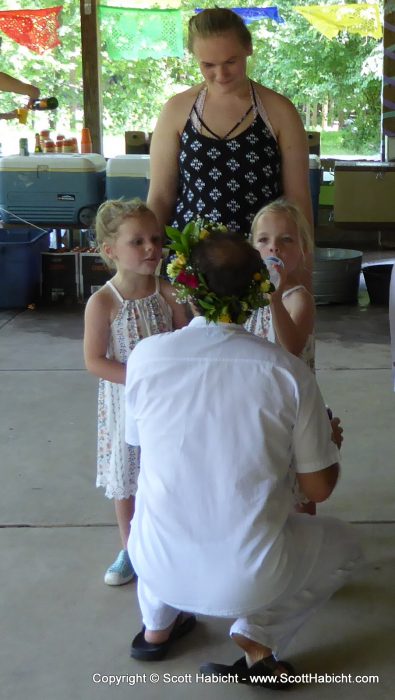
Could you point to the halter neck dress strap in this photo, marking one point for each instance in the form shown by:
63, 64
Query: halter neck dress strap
253, 106
198, 107
293, 289
115, 291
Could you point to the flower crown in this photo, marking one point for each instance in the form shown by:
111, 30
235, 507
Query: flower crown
191, 285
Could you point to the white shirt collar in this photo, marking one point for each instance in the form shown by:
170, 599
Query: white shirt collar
200, 322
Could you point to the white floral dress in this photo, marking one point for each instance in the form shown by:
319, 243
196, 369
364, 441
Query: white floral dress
117, 462
261, 323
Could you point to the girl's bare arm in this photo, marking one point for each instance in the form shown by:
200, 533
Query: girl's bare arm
96, 337
293, 319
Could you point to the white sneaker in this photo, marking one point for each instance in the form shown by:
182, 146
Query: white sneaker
121, 571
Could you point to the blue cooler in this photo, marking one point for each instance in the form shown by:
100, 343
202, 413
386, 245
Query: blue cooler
53, 189
128, 176
315, 184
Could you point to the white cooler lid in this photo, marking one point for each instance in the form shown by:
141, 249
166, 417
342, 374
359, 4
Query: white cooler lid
131, 165
55, 162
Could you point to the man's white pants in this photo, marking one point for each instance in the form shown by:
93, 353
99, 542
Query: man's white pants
319, 574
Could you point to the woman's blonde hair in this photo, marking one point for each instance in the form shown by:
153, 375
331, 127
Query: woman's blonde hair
217, 21
110, 215
285, 207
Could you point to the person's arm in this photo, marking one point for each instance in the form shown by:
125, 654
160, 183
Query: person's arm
293, 318
318, 486
315, 456
180, 318
9, 115
96, 337
10, 84
294, 151
164, 152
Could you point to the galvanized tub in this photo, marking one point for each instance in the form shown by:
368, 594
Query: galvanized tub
336, 275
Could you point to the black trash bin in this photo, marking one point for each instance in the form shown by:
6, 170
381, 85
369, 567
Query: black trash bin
378, 278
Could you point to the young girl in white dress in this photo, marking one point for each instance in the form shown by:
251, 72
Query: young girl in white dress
281, 230
134, 304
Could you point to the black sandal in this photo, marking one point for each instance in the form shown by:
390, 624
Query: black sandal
266, 673
147, 651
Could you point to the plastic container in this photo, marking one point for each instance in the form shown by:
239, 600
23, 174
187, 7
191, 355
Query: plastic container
270, 263
378, 278
336, 274
20, 265
86, 141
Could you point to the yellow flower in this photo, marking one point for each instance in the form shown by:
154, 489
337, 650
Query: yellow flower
224, 318
257, 276
203, 234
175, 266
265, 286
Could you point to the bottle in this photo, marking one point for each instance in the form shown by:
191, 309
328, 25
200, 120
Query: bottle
270, 262
23, 147
45, 103
59, 143
86, 141
44, 136
37, 146
49, 146
68, 146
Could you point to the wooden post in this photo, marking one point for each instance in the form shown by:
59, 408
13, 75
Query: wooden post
388, 106
91, 72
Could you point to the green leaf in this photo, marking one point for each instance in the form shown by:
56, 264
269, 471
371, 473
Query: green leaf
206, 305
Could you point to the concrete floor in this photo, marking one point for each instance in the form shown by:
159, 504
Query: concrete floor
61, 624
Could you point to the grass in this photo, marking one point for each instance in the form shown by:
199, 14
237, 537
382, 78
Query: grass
332, 144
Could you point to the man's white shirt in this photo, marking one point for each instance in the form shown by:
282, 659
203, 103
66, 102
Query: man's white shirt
219, 415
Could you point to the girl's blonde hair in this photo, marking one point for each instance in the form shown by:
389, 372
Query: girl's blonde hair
285, 207
217, 21
110, 215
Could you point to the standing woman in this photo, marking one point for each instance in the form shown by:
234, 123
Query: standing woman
223, 149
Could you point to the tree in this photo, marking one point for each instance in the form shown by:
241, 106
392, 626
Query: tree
334, 80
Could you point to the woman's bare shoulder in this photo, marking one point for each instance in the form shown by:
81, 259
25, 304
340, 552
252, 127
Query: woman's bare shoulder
278, 107
271, 96
176, 110
183, 100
